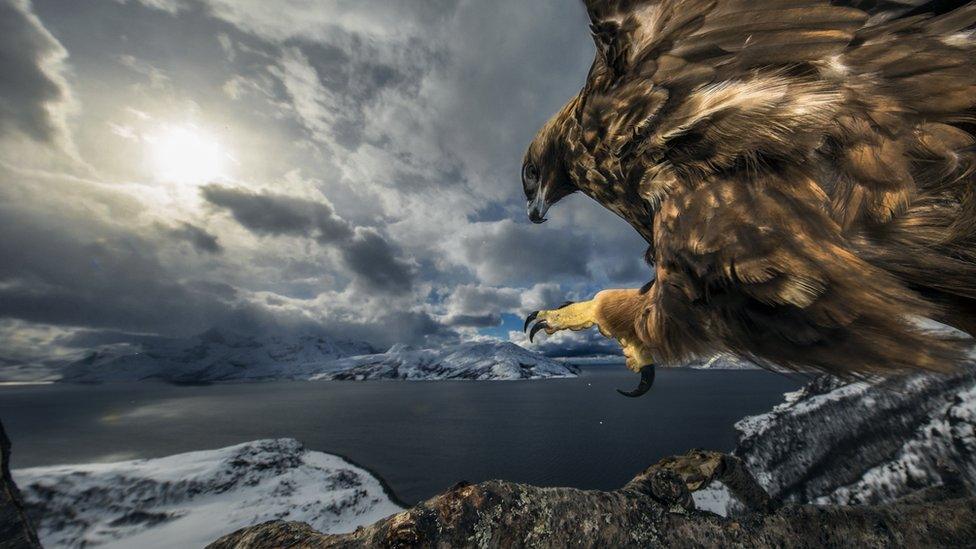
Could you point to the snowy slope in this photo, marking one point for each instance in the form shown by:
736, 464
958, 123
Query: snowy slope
189, 500
483, 360
715, 362
212, 356
855, 443
222, 356
722, 362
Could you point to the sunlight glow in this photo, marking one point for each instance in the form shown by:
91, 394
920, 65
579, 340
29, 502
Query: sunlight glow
186, 154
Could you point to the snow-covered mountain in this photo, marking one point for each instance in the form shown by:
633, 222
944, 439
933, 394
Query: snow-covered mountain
189, 500
214, 355
861, 443
483, 360
223, 356
722, 362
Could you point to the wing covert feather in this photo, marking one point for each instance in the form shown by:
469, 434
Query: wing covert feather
760, 267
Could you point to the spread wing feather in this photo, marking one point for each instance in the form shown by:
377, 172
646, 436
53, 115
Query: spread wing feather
790, 145
757, 268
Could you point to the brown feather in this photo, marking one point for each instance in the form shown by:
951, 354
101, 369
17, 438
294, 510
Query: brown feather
803, 171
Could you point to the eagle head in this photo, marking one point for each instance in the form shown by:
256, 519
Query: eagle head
545, 168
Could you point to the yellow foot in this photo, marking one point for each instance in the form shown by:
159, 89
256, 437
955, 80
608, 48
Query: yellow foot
586, 314
569, 316
636, 354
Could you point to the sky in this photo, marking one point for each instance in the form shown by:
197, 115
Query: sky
344, 167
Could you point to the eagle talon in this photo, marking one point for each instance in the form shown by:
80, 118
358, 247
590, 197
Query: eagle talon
542, 324
532, 316
646, 381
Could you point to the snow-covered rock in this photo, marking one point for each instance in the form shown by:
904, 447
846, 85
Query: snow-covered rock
722, 362
595, 360
482, 360
715, 498
862, 443
715, 362
189, 500
212, 356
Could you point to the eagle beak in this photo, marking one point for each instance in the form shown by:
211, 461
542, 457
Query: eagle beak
537, 208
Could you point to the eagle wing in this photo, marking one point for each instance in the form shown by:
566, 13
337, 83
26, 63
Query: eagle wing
756, 266
740, 121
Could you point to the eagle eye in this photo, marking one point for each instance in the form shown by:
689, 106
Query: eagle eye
530, 174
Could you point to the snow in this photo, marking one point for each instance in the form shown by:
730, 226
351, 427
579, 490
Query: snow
952, 430
190, 500
224, 356
714, 498
482, 360
722, 362
797, 403
865, 443
594, 360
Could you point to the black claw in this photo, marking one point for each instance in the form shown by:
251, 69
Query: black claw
646, 381
529, 319
542, 324
566, 304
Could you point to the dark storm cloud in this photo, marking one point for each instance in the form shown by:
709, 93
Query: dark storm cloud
87, 273
110, 281
365, 252
32, 91
395, 327
474, 321
371, 257
274, 214
512, 253
198, 237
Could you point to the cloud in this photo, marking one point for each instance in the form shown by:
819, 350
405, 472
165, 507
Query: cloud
93, 269
198, 237
410, 117
109, 281
369, 257
374, 260
276, 214
34, 95
568, 343
169, 6
505, 252
474, 305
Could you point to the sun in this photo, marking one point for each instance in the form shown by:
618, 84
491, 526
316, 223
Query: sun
186, 154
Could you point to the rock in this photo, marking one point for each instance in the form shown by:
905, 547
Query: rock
861, 443
651, 510
16, 531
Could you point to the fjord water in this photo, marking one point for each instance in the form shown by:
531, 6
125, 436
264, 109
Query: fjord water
420, 437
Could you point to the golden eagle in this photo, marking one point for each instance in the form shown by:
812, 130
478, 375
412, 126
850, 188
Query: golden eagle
802, 170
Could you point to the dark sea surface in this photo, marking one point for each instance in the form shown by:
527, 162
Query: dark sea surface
420, 437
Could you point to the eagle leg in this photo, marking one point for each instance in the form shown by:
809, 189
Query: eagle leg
614, 313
